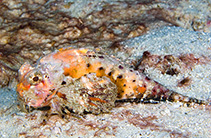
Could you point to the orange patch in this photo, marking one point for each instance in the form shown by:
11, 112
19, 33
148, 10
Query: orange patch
21, 88
92, 104
63, 96
141, 89
97, 99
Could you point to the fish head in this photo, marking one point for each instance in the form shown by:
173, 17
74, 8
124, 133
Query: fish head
34, 88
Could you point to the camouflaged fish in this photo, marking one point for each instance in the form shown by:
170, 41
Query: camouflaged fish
81, 80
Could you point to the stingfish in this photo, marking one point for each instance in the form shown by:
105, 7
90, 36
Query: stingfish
82, 80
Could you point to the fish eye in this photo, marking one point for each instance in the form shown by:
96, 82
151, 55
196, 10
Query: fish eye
35, 78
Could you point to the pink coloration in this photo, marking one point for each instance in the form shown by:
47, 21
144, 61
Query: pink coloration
82, 80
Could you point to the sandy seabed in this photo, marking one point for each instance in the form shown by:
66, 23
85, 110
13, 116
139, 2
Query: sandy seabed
164, 119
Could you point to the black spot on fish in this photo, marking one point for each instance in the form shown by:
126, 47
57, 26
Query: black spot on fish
63, 83
88, 65
101, 68
101, 56
121, 67
119, 77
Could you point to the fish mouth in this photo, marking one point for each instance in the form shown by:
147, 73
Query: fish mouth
41, 100
36, 100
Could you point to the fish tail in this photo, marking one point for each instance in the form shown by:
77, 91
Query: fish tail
176, 97
157, 92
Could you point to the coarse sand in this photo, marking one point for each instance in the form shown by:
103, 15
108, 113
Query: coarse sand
165, 119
